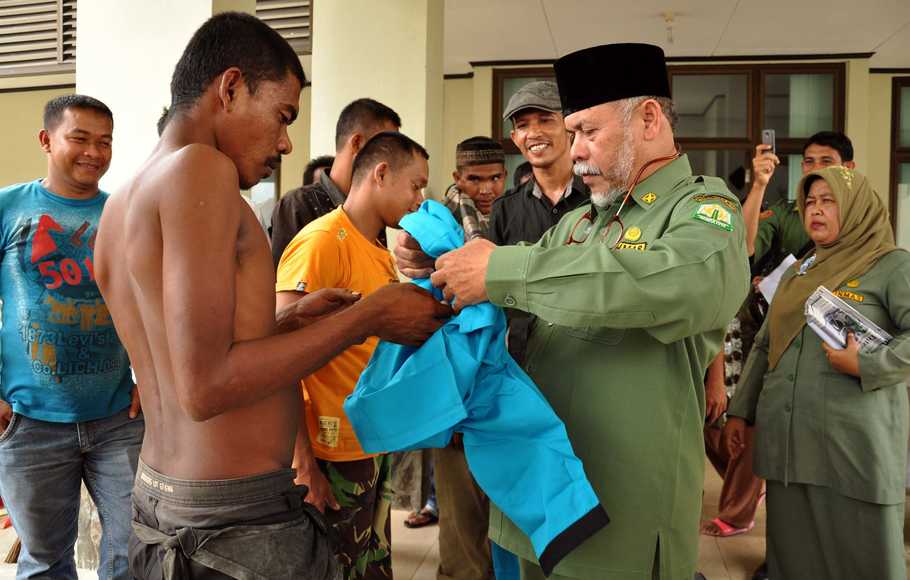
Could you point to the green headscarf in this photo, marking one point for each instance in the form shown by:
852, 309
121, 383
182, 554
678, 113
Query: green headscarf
865, 236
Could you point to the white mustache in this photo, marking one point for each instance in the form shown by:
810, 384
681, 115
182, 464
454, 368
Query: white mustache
581, 168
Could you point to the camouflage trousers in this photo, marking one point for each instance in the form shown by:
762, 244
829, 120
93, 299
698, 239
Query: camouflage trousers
361, 531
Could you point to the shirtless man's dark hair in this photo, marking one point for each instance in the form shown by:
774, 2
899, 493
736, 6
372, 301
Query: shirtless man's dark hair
188, 278
232, 39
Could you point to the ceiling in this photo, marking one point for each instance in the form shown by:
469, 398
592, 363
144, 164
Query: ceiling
497, 30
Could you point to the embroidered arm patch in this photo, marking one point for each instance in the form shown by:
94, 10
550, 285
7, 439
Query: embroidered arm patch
715, 214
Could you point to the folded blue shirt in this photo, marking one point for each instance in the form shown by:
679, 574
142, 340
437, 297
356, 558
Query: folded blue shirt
463, 379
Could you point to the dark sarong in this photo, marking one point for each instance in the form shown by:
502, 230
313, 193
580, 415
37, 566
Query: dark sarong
254, 528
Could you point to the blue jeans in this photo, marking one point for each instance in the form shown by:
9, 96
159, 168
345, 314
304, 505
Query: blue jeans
42, 466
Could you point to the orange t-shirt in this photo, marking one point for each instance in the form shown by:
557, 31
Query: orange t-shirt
331, 253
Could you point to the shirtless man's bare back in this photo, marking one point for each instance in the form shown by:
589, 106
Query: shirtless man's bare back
187, 275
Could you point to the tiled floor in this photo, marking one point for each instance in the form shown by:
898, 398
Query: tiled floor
416, 552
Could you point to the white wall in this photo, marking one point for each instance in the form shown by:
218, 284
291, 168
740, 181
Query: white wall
458, 124
390, 51
126, 54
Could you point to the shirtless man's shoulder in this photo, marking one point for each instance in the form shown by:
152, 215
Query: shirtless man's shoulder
195, 168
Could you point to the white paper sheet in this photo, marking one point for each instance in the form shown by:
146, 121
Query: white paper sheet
768, 286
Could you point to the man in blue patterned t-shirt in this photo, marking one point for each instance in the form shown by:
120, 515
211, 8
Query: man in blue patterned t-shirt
69, 411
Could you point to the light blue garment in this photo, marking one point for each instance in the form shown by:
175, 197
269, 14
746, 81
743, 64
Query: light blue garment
62, 359
463, 379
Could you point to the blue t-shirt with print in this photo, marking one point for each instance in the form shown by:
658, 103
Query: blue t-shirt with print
62, 359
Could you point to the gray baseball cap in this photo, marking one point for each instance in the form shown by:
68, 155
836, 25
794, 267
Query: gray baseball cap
543, 95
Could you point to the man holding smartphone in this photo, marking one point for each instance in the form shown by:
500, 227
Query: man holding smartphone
780, 225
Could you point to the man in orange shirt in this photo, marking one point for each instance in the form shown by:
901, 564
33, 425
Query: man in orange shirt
340, 250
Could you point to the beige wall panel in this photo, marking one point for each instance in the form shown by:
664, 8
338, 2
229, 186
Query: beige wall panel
292, 165
877, 164
23, 159
458, 123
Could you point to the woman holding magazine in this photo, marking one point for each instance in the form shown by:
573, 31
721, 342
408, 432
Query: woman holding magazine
832, 425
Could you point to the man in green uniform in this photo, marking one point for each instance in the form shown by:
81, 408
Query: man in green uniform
779, 227
631, 313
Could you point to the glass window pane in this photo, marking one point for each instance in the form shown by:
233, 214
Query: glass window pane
711, 105
789, 175
265, 190
799, 105
510, 86
902, 211
728, 164
512, 162
905, 117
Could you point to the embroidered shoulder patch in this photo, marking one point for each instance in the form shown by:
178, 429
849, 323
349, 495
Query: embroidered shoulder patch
640, 246
853, 284
714, 214
713, 197
649, 198
342, 233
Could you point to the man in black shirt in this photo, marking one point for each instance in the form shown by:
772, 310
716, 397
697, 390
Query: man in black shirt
316, 167
358, 122
523, 214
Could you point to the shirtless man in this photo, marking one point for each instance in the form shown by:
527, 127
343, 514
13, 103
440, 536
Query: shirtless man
188, 277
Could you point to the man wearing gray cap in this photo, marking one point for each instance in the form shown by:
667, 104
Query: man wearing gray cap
633, 293
526, 212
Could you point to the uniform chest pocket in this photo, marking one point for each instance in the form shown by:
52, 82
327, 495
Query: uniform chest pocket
867, 304
598, 334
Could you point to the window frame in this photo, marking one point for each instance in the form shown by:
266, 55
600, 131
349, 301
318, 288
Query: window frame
899, 154
273, 11
755, 108
711, 143
65, 40
756, 81
756, 74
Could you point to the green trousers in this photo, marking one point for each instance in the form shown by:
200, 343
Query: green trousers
464, 519
531, 571
815, 532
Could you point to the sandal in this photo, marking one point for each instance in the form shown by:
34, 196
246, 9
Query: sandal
420, 519
721, 529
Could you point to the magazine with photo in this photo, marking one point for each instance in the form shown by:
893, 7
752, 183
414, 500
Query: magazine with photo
831, 318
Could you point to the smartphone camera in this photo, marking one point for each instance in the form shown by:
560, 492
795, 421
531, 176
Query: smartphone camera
767, 138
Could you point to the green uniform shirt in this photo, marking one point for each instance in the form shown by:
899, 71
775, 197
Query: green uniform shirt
780, 226
620, 349
818, 426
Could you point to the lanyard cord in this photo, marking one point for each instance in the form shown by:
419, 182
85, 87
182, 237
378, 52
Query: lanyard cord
672, 157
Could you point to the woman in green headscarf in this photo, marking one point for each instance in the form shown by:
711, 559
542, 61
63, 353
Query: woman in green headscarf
832, 425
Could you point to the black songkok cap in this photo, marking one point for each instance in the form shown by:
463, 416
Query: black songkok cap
610, 72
